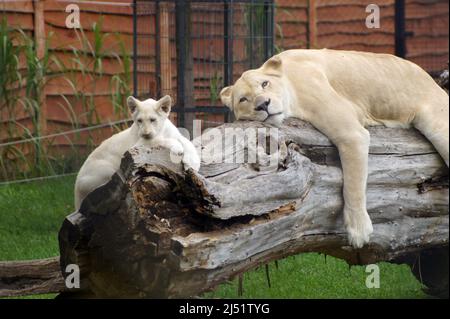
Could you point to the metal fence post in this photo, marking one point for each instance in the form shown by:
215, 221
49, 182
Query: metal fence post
400, 32
180, 7
268, 29
158, 48
228, 48
135, 53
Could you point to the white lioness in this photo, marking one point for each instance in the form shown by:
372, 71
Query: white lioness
151, 127
341, 93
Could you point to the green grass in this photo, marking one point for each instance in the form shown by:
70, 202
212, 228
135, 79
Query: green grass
314, 276
30, 217
31, 214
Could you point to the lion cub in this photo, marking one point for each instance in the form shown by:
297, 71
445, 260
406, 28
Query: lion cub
150, 127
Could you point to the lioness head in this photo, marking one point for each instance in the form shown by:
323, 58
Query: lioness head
149, 115
259, 94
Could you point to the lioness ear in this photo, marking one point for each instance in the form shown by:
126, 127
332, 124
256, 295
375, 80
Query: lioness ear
225, 96
132, 103
165, 104
273, 66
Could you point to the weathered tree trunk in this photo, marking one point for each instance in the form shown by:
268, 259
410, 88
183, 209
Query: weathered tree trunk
155, 231
27, 277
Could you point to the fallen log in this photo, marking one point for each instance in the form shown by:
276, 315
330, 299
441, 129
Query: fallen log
156, 231
29, 277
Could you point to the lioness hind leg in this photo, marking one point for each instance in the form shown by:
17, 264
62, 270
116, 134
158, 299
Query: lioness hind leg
433, 122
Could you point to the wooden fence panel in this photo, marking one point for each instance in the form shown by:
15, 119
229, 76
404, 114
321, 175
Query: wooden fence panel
428, 22
334, 24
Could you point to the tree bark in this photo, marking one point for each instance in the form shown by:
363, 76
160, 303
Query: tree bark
156, 231
28, 277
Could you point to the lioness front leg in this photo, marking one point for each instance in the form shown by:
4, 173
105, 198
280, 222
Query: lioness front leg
337, 120
353, 151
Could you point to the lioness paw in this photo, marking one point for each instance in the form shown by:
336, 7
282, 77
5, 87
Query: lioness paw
359, 228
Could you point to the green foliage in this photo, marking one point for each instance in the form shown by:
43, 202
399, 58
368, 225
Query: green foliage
254, 17
9, 67
22, 89
215, 82
121, 83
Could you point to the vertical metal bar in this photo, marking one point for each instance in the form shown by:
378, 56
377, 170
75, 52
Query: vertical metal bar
268, 29
272, 27
251, 11
226, 44
226, 76
135, 53
400, 32
158, 48
228, 48
180, 21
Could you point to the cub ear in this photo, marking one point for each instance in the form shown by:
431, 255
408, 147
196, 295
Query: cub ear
226, 96
273, 66
165, 104
132, 103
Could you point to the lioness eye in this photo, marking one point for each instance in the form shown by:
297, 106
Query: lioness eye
243, 99
264, 84
139, 121
152, 120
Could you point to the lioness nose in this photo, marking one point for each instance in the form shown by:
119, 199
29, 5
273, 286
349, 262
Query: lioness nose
146, 136
263, 106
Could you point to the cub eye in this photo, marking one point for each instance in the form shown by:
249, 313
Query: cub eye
152, 120
139, 121
243, 99
264, 84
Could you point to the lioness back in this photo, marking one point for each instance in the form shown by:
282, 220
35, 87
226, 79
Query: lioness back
386, 88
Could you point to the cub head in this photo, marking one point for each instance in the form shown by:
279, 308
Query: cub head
149, 115
258, 95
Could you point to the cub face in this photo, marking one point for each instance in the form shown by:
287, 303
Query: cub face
258, 95
149, 115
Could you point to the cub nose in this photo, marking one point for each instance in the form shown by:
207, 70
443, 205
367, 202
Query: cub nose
147, 136
263, 106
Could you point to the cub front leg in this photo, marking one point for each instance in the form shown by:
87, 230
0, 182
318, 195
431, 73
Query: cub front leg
172, 144
176, 149
190, 157
354, 151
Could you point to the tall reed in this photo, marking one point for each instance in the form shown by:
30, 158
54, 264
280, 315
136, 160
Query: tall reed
23, 83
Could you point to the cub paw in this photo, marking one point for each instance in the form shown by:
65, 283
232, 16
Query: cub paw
176, 152
359, 228
191, 161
